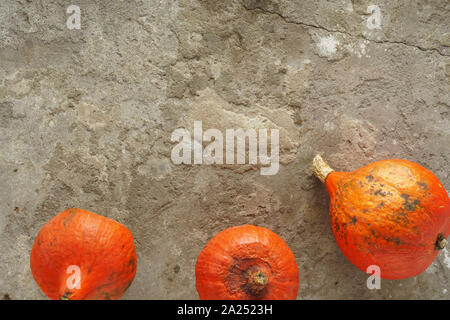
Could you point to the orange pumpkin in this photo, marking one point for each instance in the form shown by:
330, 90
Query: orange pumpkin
80, 255
246, 263
393, 214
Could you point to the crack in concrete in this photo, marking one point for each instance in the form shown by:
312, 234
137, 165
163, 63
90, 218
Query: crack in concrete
309, 25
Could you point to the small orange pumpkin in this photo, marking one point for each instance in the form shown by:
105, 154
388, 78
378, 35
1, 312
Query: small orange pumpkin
246, 263
393, 214
80, 255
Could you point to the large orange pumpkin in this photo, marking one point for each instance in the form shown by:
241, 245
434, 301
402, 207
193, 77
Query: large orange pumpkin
82, 255
246, 263
393, 214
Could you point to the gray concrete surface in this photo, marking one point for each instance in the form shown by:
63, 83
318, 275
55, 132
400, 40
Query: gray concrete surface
86, 118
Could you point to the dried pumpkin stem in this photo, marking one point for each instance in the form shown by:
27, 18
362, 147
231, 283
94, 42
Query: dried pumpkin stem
65, 296
441, 242
257, 281
320, 168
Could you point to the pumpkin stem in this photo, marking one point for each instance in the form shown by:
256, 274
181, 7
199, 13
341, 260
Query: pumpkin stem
320, 168
441, 242
66, 296
257, 281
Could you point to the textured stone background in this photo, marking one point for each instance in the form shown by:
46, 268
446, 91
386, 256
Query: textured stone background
86, 118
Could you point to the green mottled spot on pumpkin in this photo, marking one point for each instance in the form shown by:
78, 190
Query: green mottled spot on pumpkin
379, 192
132, 264
410, 205
394, 240
422, 185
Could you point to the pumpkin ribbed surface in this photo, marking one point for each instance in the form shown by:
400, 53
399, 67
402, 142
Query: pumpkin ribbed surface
101, 248
246, 263
392, 213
